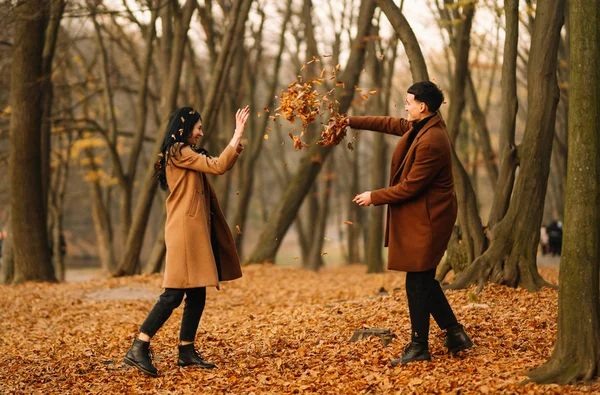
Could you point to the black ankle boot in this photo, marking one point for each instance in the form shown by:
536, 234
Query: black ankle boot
457, 339
189, 356
139, 357
414, 352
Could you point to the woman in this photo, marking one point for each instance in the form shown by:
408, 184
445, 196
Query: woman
200, 247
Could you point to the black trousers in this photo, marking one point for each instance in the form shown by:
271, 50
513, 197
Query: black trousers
195, 299
425, 297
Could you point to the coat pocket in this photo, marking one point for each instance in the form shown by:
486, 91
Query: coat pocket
194, 204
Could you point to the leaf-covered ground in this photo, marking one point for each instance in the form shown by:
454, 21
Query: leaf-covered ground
276, 330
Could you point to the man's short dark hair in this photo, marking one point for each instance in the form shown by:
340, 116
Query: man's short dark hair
428, 93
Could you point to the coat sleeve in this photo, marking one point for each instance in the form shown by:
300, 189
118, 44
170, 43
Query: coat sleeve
428, 163
189, 159
387, 125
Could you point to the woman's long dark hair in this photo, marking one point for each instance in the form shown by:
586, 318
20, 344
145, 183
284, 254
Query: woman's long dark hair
179, 130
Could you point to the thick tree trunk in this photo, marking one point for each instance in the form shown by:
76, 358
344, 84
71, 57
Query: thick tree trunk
511, 257
310, 165
576, 354
28, 217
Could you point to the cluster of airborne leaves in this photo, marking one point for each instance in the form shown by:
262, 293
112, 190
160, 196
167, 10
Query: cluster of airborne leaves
277, 330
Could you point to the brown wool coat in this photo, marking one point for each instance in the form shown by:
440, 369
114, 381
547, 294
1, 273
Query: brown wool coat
190, 260
421, 201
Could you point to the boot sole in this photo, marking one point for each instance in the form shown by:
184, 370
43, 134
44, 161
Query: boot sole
136, 365
460, 348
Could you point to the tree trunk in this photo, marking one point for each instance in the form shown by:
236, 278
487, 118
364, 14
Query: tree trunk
507, 149
576, 354
56, 11
56, 205
7, 269
28, 217
315, 256
256, 145
310, 165
511, 256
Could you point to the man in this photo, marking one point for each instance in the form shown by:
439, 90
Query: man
421, 213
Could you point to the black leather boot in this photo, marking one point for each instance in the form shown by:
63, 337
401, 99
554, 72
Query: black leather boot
189, 356
414, 352
139, 357
457, 339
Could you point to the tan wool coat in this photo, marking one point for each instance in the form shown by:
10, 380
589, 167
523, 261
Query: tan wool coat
421, 201
193, 214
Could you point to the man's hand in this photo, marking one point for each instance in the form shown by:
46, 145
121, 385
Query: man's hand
364, 199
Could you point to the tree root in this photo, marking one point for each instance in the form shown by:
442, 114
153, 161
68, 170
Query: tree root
563, 373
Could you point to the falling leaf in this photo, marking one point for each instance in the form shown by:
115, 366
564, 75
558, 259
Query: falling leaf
295, 258
366, 97
266, 136
239, 231
323, 253
259, 114
348, 223
374, 91
381, 57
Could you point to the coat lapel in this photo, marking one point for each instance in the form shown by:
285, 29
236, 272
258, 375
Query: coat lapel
405, 151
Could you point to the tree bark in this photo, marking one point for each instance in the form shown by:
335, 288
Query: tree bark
56, 11
576, 355
507, 149
510, 258
28, 217
310, 165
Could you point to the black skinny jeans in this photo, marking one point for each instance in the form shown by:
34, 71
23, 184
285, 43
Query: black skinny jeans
171, 299
425, 297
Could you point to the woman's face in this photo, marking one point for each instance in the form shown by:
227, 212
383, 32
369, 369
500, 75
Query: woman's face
196, 133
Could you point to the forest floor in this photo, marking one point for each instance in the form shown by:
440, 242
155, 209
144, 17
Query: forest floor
277, 330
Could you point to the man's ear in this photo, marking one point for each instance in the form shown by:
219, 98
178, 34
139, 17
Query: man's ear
423, 107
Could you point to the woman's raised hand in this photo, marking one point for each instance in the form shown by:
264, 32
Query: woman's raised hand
241, 117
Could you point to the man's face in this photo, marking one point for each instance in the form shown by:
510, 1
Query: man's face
414, 108
196, 133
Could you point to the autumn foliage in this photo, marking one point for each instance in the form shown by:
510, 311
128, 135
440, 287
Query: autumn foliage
277, 330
